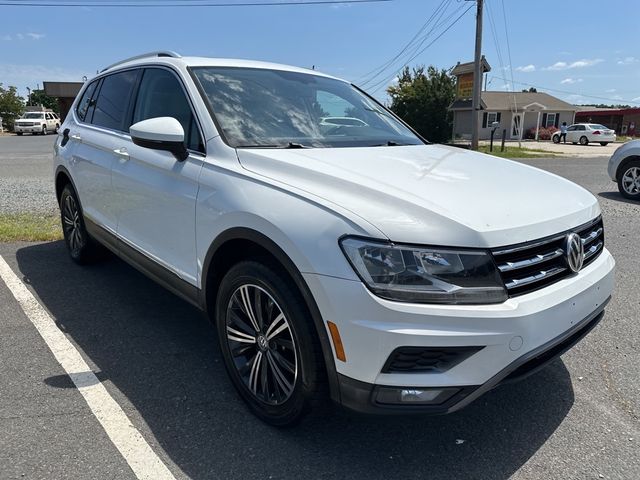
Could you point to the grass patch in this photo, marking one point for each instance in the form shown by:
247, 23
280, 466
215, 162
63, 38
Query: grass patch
516, 152
29, 227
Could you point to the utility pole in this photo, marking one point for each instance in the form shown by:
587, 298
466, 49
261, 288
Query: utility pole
477, 77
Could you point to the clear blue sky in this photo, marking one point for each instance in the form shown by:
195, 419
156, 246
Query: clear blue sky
587, 47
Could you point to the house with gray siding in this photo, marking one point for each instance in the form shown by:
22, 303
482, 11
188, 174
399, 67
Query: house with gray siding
515, 112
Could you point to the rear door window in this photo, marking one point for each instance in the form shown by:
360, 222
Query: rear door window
113, 100
161, 95
85, 101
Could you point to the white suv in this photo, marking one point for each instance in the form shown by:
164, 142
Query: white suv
37, 123
356, 261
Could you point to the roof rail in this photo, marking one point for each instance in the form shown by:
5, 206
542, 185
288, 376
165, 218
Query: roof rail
161, 53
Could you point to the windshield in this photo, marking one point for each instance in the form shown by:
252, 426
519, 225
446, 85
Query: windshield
33, 115
257, 107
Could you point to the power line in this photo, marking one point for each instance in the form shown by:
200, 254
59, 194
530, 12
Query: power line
176, 3
363, 80
374, 88
494, 34
586, 95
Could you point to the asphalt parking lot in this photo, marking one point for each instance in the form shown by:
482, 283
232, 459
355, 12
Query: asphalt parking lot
156, 356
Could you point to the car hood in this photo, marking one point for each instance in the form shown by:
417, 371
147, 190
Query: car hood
432, 194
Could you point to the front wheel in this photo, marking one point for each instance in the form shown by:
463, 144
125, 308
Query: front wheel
556, 139
629, 181
604, 144
19, 134
268, 344
584, 140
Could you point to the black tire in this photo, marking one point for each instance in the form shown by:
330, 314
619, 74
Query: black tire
295, 351
584, 140
574, 143
19, 134
44, 130
82, 248
628, 190
57, 129
604, 144
556, 138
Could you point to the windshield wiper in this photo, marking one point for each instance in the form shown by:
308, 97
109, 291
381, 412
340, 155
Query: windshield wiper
391, 143
375, 110
263, 145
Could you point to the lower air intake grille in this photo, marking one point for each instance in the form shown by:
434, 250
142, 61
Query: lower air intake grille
426, 359
533, 265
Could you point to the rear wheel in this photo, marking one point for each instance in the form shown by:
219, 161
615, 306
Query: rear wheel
584, 140
82, 248
57, 129
44, 130
629, 180
604, 144
268, 344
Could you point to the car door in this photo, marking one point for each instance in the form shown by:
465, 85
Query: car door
571, 134
97, 128
156, 192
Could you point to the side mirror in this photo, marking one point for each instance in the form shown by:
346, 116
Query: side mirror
161, 133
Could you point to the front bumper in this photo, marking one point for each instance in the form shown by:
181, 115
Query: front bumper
542, 323
361, 396
34, 129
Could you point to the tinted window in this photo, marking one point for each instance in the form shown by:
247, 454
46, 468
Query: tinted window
272, 108
113, 100
161, 95
83, 104
580, 127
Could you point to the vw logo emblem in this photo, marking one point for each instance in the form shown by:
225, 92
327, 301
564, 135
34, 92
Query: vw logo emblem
574, 251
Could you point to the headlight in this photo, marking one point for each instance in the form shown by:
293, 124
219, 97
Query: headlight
425, 274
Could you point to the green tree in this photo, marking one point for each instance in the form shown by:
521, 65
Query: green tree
422, 98
38, 97
11, 105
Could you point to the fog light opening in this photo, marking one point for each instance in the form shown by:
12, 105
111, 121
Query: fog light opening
414, 395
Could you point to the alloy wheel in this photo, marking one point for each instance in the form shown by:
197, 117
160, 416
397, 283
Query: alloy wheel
71, 224
261, 344
631, 181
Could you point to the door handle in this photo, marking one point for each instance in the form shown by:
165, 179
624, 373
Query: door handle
76, 137
122, 153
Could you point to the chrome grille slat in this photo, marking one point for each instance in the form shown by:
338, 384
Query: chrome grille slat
521, 282
533, 265
594, 249
592, 236
528, 262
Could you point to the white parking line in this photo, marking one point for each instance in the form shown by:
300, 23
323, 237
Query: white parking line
127, 439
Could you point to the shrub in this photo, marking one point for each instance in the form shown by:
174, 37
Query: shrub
544, 133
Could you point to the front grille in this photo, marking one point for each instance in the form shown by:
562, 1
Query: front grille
426, 359
25, 124
533, 265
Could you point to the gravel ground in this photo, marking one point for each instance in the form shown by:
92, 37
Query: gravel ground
26, 184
